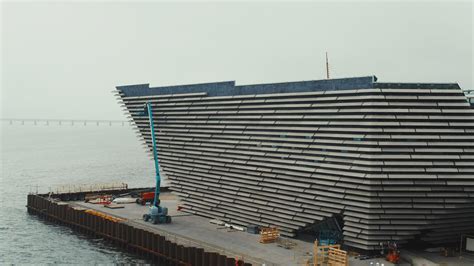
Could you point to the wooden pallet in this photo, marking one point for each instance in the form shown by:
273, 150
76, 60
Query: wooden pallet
331, 255
269, 234
337, 257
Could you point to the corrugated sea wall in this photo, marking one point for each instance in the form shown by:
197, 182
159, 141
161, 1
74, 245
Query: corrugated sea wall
150, 245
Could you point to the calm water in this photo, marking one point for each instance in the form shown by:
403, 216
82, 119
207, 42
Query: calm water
45, 156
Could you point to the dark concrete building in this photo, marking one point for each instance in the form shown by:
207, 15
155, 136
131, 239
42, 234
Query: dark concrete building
394, 161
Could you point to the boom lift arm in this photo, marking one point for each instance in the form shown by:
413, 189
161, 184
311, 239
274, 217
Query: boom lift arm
157, 213
156, 201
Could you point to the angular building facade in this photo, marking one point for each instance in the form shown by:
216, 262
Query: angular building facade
394, 160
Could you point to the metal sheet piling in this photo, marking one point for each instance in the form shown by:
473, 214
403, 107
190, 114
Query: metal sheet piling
148, 244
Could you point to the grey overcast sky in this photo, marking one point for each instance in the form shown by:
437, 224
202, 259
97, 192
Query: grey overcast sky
62, 60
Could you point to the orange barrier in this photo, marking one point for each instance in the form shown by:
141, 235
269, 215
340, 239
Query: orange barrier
103, 215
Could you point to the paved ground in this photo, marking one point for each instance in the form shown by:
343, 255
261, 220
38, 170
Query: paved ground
191, 230
196, 231
423, 258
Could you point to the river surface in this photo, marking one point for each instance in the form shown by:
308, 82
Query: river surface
39, 157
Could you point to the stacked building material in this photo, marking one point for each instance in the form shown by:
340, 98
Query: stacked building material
395, 160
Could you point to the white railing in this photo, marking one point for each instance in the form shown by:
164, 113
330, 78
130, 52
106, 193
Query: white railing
75, 188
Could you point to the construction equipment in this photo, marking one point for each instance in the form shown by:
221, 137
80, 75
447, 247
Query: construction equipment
145, 197
393, 254
100, 199
157, 214
132, 193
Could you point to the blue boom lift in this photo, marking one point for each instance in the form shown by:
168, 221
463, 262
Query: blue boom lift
157, 214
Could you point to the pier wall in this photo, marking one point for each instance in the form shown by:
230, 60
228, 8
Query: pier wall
148, 244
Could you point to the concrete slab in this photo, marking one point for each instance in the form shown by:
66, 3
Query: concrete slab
192, 230
423, 258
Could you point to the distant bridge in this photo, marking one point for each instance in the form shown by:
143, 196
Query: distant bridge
71, 122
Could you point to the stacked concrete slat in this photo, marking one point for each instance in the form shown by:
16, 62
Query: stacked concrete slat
395, 160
